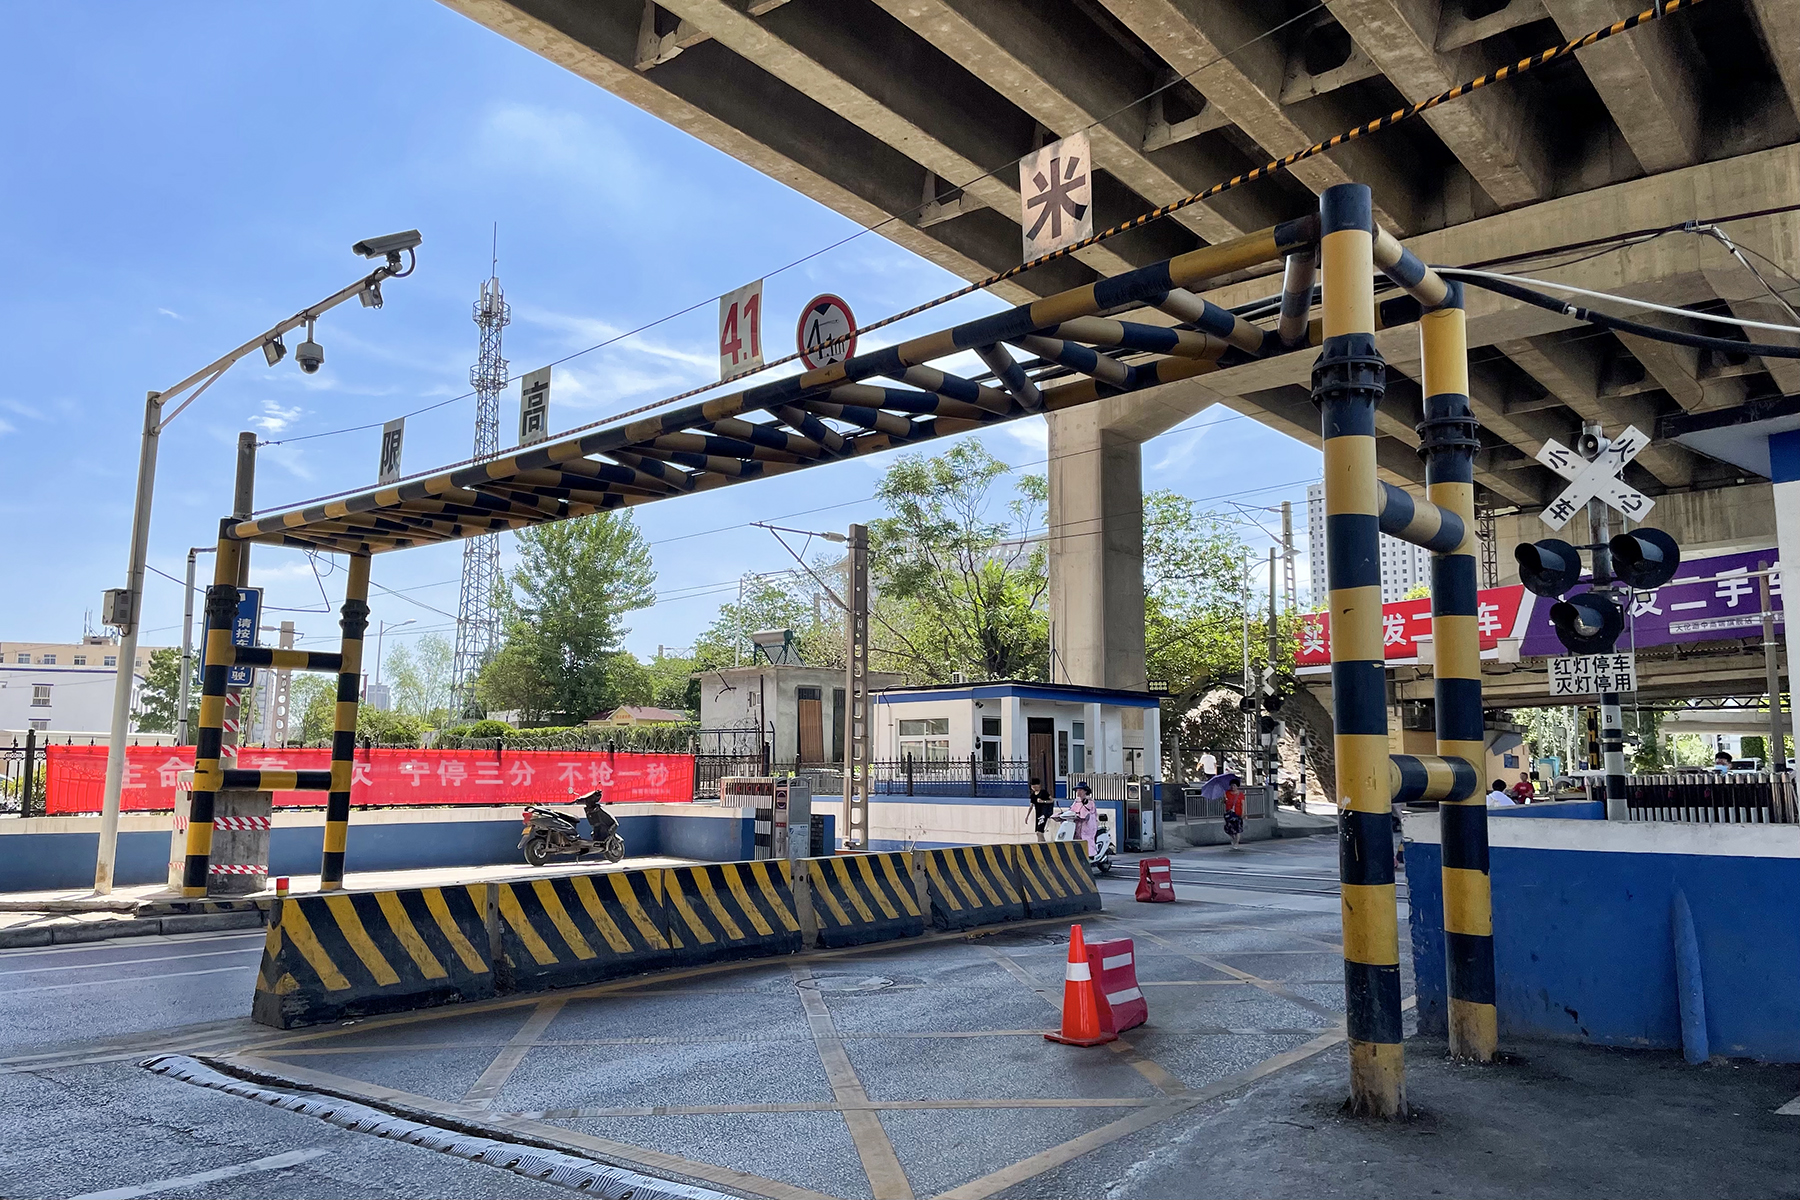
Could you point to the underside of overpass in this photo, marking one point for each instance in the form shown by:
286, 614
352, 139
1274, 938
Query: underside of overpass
911, 114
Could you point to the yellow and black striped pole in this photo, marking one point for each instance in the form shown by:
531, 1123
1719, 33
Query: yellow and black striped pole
354, 622
216, 659
1448, 441
1348, 381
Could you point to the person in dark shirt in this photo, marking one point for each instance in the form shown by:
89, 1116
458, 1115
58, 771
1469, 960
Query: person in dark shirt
1042, 805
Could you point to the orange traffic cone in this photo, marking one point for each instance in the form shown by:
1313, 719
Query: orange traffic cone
1081, 1024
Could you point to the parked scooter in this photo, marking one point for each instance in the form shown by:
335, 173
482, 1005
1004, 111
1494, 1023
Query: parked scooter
1100, 859
548, 833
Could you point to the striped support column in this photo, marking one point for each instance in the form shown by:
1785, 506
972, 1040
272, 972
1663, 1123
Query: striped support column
1348, 381
1448, 441
209, 779
354, 622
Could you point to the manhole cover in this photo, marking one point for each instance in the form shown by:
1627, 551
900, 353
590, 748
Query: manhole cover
850, 983
1025, 937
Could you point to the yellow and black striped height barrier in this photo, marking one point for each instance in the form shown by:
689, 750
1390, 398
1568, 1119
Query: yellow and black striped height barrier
216, 659
1348, 381
582, 928
352, 954
730, 910
972, 885
1449, 442
859, 898
354, 621
1054, 879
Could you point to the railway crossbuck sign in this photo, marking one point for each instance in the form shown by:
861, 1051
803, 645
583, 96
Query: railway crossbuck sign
1599, 477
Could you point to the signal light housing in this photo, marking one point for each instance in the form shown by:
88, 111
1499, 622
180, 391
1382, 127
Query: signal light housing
1645, 558
1589, 623
1548, 568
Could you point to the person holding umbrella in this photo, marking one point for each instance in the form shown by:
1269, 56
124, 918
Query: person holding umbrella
1226, 788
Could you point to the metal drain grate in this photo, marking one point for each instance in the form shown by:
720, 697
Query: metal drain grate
535, 1162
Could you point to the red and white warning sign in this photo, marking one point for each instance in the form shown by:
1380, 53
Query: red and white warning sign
824, 319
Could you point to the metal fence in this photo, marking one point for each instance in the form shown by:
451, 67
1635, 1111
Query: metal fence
972, 776
1709, 798
1181, 804
22, 778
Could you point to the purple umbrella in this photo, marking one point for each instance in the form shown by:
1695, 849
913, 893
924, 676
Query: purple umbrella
1216, 787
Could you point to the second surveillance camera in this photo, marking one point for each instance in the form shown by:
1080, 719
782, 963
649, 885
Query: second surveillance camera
388, 245
310, 355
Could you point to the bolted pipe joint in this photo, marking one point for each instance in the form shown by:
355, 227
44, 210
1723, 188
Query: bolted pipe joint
1349, 371
221, 605
354, 619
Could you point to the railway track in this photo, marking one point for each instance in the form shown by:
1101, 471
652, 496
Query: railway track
1293, 883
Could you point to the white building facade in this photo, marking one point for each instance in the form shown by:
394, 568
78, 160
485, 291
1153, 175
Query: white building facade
65, 687
1404, 566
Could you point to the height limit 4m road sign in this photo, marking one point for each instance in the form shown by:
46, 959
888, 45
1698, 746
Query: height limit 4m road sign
1056, 189
824, 321
740, 330
1599, 477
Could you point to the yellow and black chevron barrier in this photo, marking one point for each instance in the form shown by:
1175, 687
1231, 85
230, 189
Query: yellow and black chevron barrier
858, 898
730, 910
578, 929
1055, 880
973, 885
351, 954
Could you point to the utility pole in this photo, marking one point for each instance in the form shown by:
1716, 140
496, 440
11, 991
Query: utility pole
477, 621
1269, 771
1290, 590
858, 720
1776, 760
187, 647
276, 720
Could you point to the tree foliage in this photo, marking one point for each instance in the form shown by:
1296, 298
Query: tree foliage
159, 696
564, 619
787, 600
420, 676
960, 580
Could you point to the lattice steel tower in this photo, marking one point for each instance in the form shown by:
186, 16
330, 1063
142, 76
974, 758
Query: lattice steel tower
477, 621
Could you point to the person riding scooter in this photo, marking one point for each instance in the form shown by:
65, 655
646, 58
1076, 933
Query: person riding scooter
1083, 821
548, 832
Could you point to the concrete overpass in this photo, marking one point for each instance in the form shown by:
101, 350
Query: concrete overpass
917, 109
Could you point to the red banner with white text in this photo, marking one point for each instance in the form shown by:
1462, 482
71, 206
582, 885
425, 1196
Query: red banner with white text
1499, 613
77, 776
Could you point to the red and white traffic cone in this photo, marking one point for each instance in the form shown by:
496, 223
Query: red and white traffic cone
1082, 1023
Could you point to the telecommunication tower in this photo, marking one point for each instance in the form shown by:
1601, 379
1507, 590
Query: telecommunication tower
477, 621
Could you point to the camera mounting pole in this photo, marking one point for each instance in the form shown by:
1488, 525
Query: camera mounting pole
122, 606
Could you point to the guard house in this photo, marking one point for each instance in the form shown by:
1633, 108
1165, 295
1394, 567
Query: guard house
1014, 730
797, 711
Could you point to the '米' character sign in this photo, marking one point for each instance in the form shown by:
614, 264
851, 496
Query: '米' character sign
1056, 188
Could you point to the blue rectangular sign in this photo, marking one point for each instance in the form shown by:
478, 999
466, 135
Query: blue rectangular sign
243, 630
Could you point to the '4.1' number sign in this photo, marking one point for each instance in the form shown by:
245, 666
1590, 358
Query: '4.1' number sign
740, 330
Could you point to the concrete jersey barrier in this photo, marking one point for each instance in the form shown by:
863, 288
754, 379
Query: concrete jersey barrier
1055, 880
730, 910
860, 898
576, 929
973, 885
350, 954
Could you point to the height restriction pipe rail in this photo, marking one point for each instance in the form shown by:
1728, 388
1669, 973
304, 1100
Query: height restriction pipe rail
1419, 522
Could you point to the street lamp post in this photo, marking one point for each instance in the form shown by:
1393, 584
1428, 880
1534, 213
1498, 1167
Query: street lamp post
381, 628
187, 646
122, 607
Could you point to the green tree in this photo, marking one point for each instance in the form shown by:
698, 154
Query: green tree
565, 610
960, 580
420, 676
786, 600
314, 697
388, 728
159, 696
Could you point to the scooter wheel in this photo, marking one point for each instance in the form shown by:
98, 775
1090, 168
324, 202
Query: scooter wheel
1105, 866
537, 851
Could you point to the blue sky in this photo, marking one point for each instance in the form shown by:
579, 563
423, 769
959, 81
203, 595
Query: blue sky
180, 176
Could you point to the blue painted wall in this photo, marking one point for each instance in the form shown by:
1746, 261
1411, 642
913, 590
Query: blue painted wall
47, 861
1584, 950
1555, 810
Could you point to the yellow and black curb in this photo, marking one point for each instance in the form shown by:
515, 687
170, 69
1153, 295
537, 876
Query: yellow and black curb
350, 954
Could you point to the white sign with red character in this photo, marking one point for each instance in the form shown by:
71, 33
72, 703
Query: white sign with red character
740, 330
1499, 613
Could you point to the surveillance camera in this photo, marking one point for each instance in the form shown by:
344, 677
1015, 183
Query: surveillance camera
388, 246
310, 355
274, 351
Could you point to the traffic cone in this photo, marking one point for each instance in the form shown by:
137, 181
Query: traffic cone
1081, 1024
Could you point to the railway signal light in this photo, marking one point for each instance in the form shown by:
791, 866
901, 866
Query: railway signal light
1644, 558
1588, 623
1548, 568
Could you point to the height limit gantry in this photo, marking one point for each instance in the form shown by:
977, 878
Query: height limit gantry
477, 620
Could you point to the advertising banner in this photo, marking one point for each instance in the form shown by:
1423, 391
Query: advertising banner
1500, 613
76, 776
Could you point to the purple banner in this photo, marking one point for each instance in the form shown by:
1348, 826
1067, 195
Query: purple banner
1678, 612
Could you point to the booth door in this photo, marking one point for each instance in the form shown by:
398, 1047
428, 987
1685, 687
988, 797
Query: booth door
1040, 749
812, 725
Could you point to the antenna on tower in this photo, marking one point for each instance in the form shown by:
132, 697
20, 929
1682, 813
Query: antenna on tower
477, 621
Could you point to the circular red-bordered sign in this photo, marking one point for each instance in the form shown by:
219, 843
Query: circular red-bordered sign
824, 318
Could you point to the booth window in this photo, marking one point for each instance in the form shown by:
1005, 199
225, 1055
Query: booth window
926, 739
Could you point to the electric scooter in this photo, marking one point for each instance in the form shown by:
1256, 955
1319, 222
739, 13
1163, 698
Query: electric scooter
1101, 859
550, 833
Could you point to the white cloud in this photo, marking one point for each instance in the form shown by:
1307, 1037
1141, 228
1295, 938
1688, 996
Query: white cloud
274, 418
171, 314
7, 426
562, 150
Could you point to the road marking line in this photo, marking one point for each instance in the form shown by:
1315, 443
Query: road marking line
693, 1040
726, 1178
96, 983
887, 1179
483, 1091
688, 1110
1790, 1109
274, 1162
1056, 1156
1267, 985
130, 962
137, 943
